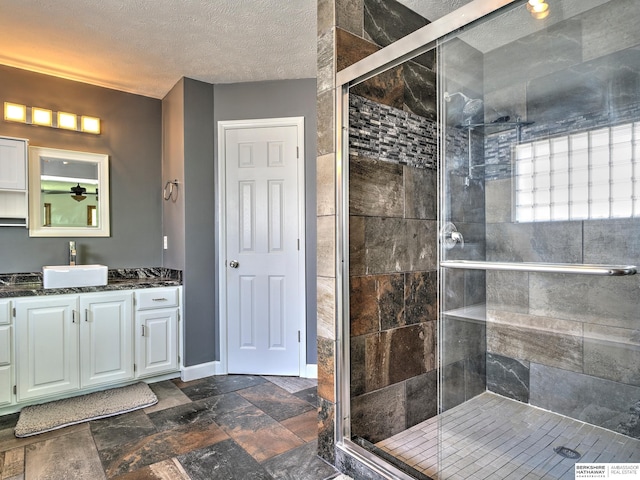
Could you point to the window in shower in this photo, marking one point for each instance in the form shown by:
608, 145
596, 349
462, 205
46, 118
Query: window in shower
582, 176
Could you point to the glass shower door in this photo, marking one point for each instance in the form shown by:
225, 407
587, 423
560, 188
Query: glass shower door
538, 341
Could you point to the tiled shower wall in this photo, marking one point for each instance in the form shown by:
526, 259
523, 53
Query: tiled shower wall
347, 32
566, 343
393, 270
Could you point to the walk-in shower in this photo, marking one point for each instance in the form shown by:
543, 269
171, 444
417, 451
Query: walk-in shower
490, 232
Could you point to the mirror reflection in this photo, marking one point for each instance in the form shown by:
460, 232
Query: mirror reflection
68, 193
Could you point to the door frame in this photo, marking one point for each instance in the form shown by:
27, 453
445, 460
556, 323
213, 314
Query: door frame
223, 126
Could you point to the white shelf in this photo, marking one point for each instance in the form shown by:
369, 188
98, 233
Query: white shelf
473, 312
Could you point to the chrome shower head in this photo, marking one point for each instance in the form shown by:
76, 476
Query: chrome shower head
472, 106
448, 96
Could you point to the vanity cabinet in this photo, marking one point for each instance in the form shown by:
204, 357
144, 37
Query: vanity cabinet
6, 353
68, 342
56, 345
157, 316
106, 340
46, 346
13, 182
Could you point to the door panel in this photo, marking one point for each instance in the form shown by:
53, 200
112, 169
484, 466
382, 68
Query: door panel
263, 294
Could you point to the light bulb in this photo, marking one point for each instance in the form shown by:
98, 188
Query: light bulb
540, 7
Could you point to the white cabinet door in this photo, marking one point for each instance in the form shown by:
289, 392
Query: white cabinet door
13, 164
106, 338
46, 346
6, 386
5, 311
5, 344
157, 341
6, 352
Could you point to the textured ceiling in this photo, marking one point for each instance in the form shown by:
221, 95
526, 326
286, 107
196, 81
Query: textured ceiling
146, 46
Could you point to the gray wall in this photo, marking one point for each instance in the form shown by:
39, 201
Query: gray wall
288, 98
200, 234
173, 169
131, 136
188, 217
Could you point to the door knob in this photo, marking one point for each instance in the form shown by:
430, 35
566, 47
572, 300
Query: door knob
234, 264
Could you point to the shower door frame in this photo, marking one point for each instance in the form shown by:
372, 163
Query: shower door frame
420, 41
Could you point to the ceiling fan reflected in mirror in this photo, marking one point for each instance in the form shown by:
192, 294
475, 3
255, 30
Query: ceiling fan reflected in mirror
78, 193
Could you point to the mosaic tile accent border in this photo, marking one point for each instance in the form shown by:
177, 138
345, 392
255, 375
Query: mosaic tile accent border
391, 135
498, 146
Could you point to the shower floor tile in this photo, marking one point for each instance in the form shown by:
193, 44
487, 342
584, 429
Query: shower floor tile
492, 437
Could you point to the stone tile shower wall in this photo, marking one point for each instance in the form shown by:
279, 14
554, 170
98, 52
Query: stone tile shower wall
348, 31
393, 269
565, 343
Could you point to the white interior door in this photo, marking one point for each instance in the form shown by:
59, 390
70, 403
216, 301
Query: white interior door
264, 288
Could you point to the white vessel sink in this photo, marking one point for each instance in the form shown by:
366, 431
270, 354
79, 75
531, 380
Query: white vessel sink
64, 276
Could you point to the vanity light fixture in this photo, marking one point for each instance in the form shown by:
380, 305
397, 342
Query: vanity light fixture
41, 116
15, 112
68, 121
90, 124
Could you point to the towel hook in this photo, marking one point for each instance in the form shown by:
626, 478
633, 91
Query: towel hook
167, 192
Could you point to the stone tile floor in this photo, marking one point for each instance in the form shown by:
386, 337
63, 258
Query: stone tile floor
224, 427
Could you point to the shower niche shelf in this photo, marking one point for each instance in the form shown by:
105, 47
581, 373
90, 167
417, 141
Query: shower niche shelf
471, 312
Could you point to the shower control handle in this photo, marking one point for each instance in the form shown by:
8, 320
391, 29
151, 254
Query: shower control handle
458, 238
450, 236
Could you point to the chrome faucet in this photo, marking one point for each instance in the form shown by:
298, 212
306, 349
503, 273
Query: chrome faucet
72, 253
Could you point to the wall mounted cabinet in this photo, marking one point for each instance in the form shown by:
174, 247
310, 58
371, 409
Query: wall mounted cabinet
13, 182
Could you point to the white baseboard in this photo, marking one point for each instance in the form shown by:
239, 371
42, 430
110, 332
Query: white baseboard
312, 371
194, 372
201, 370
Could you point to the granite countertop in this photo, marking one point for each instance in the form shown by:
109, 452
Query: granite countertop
30, 284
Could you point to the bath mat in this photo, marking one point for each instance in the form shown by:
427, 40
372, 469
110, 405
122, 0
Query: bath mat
37, 419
